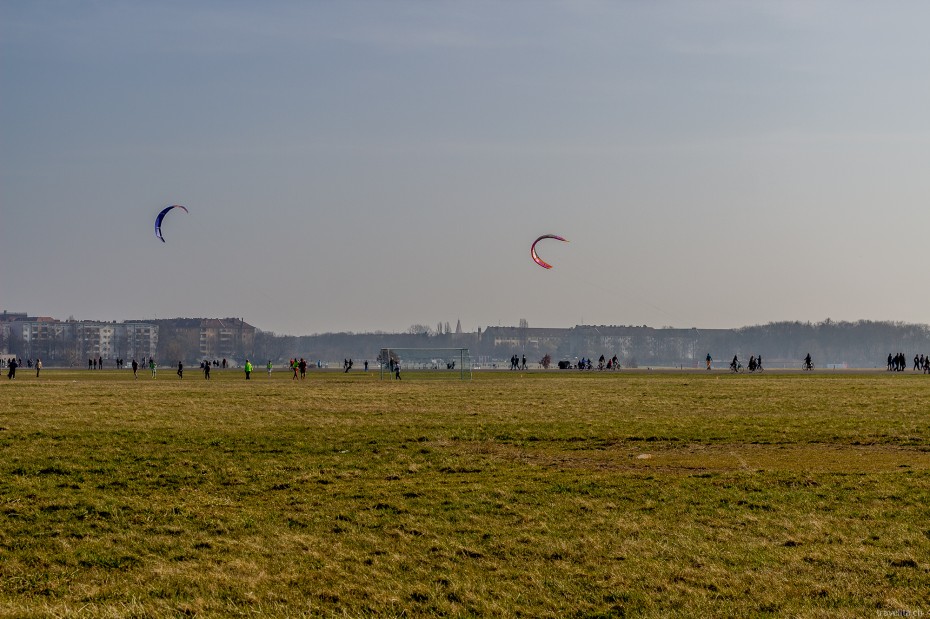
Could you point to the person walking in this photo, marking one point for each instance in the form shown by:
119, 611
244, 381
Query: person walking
153, 367
248, 369
180, 370
135, 369
206, 370
270, 366
11, 369
709, 360
38, 367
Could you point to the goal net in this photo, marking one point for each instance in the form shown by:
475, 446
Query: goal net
439, 362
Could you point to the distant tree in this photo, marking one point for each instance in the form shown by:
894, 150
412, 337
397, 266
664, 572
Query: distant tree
172, 352
418, 330
16, 344
546, 361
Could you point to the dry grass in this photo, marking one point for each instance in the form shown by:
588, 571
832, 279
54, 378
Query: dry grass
544, 495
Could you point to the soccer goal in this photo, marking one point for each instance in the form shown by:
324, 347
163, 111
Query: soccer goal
441, 362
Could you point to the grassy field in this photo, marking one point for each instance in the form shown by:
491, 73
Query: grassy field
542, 494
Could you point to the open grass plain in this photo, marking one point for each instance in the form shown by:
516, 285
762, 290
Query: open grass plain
540, 494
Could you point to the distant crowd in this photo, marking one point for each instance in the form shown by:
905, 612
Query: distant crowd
895, 363
585, 363
898, 363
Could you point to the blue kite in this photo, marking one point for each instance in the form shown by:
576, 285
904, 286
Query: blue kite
162, 216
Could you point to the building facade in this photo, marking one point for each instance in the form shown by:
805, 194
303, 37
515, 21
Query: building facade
73, 342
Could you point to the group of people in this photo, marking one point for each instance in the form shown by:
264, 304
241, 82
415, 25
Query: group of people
12, 364
296, 365
898, 363
517, 364
602, 363
205, 366
120, 364
755, 363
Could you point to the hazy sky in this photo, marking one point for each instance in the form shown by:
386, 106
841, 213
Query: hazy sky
366, 166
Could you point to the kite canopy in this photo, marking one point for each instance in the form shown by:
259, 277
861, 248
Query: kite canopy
536, 257
162, 216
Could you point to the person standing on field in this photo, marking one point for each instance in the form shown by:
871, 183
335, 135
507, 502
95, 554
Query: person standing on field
248, 369
135, 369
270, 366
38, 367
180, 370
206, 370
11, 369
153, 367
709, 360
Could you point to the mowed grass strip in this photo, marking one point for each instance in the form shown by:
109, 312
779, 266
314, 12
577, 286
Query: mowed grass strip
538, 494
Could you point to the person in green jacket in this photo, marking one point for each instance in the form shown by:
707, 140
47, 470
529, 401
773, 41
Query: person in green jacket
248, 369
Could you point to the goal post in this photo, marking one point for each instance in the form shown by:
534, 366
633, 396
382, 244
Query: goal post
443, 362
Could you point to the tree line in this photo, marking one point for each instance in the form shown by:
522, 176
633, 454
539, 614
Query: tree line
862, 343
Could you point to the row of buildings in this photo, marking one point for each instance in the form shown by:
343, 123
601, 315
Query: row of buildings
73, 342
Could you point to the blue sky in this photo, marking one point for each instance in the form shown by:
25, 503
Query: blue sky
370, 165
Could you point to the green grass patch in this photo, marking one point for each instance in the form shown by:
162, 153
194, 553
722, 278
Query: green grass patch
542, 494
